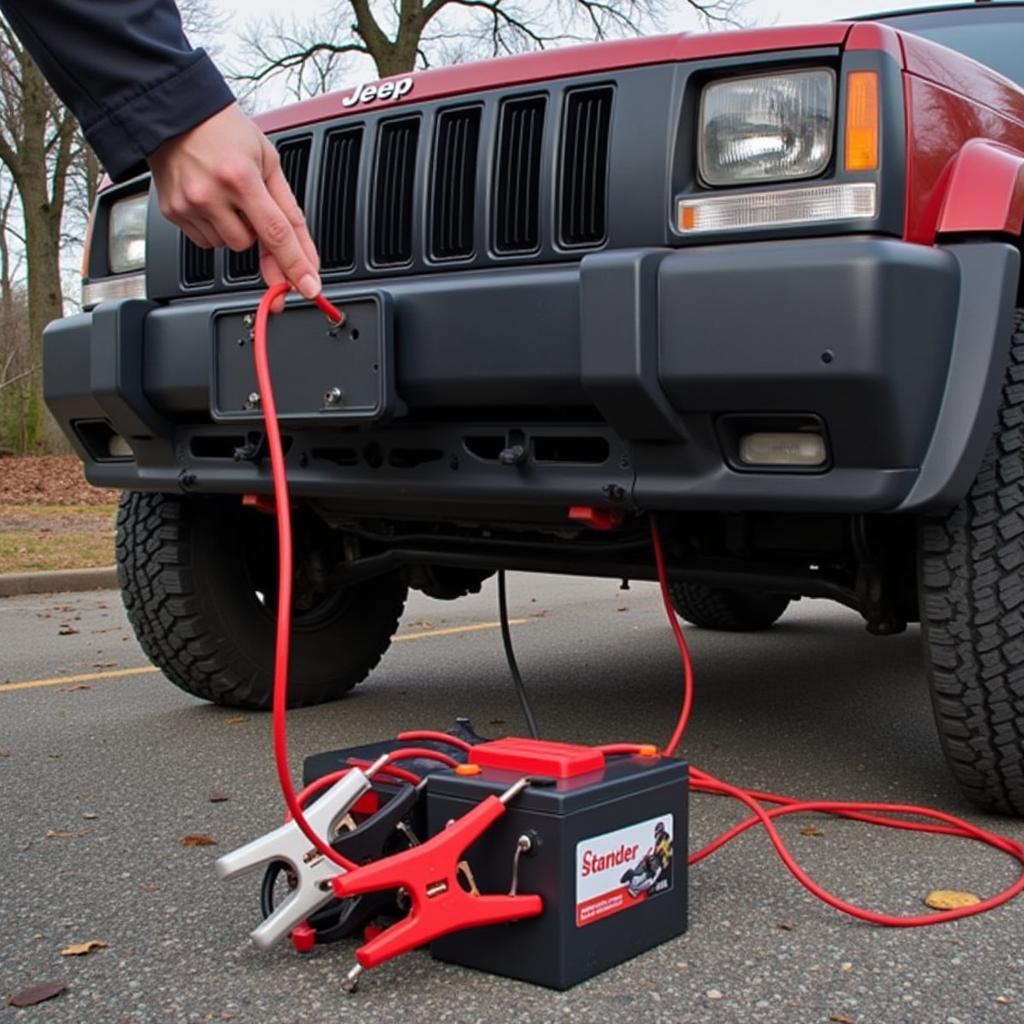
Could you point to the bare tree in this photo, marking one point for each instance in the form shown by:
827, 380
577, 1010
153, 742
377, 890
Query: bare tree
16, 368
310, 54
39, 143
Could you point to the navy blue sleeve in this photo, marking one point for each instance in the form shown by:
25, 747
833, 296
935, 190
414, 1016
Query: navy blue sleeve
125, 70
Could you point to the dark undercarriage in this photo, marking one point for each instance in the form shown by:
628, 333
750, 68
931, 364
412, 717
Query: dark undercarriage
864, 562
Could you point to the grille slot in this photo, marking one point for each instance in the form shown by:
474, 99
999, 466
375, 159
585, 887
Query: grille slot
338, 195
394, 179
584, 164
295, 165
517, 175
196, 264
453, 196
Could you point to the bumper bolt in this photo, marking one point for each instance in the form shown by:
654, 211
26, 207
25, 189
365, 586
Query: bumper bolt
333, 396
253, 400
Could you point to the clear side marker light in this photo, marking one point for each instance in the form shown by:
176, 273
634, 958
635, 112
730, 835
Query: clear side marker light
852, 201
783, 449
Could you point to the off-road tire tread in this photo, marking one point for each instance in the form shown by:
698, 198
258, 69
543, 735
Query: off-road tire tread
733, 611
971, 578
156, 574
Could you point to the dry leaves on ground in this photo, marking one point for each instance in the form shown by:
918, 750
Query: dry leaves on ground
36, 993
218, 796
66, 833
4, 752
84, 948
198, 840
841, 1018
811, 831
235, 720
950, 899
67, 631
49, 480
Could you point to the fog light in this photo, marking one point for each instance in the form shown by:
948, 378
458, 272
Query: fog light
791, 449
119, 448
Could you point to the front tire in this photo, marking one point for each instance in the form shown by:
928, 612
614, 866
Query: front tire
198, 578
734, 611
971, 567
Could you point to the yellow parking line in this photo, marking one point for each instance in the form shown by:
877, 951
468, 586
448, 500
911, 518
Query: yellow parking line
122, 673
476, 627
86, 677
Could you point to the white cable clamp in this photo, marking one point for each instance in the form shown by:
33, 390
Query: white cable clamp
312, 870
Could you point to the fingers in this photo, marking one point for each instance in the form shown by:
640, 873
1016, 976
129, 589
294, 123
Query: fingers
237, 234
272, 274
276, 228
281, 192
203, 234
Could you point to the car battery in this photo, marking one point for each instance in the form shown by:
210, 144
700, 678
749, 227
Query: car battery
607, 852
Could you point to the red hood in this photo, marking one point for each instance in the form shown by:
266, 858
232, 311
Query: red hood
562, 63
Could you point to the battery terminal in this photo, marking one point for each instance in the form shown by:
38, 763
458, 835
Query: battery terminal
524, 844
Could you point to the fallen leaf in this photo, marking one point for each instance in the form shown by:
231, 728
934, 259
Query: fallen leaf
235, 719
218, 796
37, 993
90, 815
198, 840
104, 664
73, 689
4, 752
65, 833
84, 948
622, 609
810, 830
66, 631
950, 899
150, 887
786, 926
841, 1018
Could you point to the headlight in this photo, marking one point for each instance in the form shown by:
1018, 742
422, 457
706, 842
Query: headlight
127, 234
767, 128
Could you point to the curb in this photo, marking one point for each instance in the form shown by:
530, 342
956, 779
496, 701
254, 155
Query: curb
57, 581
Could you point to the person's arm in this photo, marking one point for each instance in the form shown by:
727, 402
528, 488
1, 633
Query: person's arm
142, 95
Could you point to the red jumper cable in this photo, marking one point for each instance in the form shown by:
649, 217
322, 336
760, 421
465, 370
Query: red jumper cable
868, 813
428, 871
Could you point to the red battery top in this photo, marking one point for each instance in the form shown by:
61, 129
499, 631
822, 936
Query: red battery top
537, 757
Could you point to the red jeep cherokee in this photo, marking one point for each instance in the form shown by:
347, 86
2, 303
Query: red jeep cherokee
764, 285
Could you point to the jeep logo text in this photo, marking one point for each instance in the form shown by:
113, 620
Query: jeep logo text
385, 91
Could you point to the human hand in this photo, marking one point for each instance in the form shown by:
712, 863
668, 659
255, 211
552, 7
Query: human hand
221, 183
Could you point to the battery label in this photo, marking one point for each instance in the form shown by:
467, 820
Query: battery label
621, 869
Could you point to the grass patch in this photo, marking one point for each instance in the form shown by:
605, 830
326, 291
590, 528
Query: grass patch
37, 537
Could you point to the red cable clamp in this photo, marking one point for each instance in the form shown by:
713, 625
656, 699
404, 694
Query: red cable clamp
596, 518
429, 874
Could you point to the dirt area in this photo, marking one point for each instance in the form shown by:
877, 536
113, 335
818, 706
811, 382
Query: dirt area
51, 518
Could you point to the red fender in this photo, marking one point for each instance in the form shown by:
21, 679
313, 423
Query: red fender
984, 191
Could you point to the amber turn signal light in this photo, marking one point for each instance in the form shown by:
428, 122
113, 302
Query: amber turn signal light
862, 121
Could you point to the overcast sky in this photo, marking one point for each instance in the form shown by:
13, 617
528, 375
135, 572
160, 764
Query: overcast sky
782, 12
763, 12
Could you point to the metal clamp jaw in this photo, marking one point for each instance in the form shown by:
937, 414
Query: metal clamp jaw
312, 870
428, 873
380, 835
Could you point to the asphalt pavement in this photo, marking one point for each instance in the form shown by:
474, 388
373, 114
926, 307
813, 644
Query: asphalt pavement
105, 767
